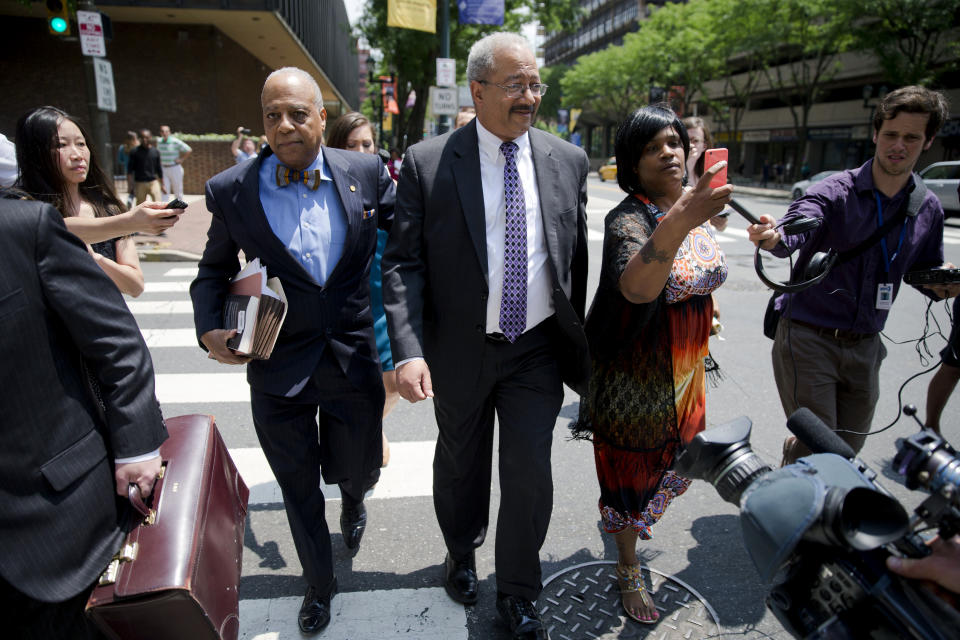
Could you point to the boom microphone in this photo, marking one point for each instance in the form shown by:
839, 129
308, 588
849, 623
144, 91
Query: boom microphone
818, 437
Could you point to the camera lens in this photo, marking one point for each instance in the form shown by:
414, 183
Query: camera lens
742, 468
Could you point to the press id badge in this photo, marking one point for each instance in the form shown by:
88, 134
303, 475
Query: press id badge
884, 296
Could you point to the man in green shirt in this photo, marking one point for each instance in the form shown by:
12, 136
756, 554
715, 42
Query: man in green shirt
173, 152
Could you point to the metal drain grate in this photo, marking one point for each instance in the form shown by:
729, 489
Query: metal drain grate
583, 602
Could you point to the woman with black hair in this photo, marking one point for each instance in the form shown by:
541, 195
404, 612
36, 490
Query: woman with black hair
648, 329
56, 165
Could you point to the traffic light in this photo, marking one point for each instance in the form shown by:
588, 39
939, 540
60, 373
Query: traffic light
58, 17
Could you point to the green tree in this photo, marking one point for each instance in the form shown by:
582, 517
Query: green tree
915, 41
798, 43
605, 83
678, 45
410, 54
739, 69
553, 100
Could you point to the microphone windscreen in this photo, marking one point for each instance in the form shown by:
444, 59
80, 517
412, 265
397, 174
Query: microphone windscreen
818, 437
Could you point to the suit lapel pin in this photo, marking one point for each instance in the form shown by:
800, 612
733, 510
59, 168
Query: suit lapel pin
352, 188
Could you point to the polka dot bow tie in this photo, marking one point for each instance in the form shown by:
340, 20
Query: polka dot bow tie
286, 175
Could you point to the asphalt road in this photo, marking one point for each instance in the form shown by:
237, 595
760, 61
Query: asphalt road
393, 587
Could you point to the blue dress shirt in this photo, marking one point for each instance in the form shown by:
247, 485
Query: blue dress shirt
311, 224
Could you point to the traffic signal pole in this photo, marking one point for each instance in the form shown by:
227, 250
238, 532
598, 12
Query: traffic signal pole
443, 122
98, 118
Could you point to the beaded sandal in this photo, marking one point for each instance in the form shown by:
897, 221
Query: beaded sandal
631, 581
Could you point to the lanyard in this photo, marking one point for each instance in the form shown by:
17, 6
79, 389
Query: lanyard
883, 241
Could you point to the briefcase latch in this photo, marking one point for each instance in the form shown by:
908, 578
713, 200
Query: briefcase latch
127, 553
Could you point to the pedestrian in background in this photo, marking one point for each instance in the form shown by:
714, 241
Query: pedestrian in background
173, 152
484, 284
130, 142
465, 115
243, 146
352, 131
944, 381
144, 168
648, 328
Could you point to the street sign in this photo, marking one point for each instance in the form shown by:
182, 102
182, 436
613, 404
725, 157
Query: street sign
443, 101
464, 97
446, 72
106, 96
92, 42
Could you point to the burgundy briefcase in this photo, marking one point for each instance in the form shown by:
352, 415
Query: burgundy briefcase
176, 575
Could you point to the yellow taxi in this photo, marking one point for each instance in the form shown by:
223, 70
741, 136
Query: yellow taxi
609, 170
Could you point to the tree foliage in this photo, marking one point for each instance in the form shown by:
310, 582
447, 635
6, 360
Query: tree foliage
915, 41
410, 54
788, 49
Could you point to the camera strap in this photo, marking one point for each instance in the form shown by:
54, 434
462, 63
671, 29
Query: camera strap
910, 207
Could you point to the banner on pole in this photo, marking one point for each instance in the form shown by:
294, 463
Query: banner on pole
481, 11
413, 14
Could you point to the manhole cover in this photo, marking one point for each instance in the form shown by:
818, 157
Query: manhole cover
584, 602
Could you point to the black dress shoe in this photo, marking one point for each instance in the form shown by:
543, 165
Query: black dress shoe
353, 522
460, 579
315, 610
521, 616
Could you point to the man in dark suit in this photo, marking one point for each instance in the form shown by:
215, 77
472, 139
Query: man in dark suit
484, 285
62, 457
310, 214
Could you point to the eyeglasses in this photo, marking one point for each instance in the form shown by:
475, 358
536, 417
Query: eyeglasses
516, 89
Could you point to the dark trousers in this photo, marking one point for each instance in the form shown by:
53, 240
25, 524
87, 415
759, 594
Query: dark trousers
329, 428
36, 620
521, 384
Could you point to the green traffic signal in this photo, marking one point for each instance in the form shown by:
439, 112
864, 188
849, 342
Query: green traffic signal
58, 17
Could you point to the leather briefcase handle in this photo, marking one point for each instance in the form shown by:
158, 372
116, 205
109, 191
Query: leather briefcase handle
133, 494
136, 498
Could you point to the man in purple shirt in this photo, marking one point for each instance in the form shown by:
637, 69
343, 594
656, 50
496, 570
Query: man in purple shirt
827, 350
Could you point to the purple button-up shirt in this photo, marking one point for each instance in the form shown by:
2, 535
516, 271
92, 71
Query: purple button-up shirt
847, 204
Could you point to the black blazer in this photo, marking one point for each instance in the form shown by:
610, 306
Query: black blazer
435, 265
336, 314
59, 513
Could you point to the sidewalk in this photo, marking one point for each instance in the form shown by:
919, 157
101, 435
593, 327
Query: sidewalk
186, 240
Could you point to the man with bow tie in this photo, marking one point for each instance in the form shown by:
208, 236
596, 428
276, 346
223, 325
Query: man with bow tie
310, 214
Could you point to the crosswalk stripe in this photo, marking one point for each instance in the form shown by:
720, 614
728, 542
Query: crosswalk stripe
409, 474
425, 614
181, 272
166, 287
169, 337
159, 307
202, 387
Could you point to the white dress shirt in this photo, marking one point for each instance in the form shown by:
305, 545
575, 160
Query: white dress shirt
539, 300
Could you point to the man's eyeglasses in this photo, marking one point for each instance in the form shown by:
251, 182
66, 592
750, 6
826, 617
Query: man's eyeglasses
516, 89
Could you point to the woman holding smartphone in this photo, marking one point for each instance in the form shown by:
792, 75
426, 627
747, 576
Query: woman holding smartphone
58, 166
648, 330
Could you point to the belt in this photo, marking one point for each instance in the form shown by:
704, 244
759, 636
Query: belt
837, 334
170, 165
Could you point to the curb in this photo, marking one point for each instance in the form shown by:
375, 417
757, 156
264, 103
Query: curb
166, 255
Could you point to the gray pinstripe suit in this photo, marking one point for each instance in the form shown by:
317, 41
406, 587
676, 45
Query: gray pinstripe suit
58, 508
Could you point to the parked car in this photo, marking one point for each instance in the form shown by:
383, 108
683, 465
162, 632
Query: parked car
609, 170
942, 178
800, 188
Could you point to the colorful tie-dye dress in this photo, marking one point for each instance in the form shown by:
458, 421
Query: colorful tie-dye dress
647, 388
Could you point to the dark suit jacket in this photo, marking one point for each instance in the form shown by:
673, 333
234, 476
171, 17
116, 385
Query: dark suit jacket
435, 264
58, 509
336, 314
